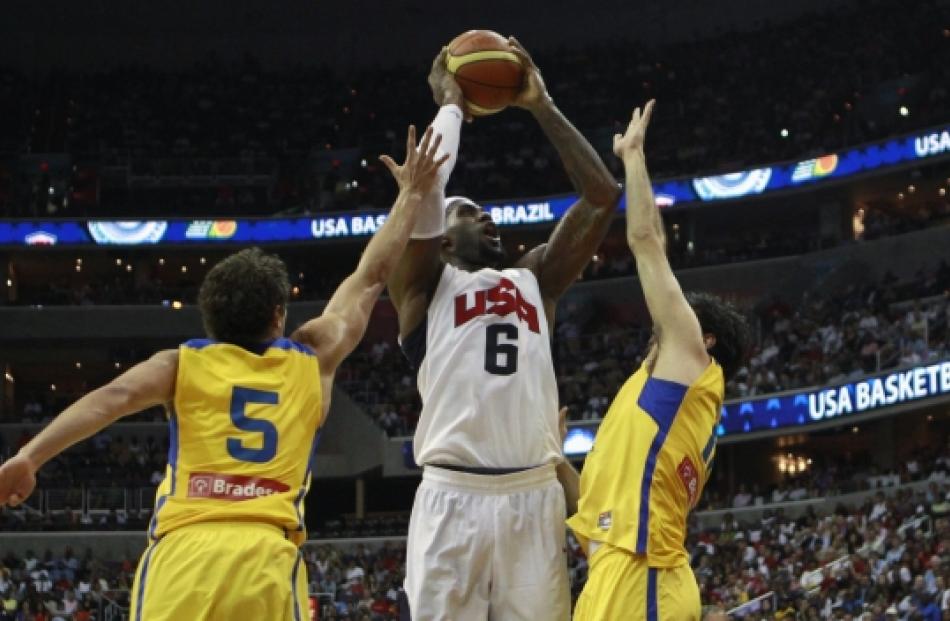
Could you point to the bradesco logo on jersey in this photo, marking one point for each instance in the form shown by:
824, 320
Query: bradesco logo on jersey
231, 486
502, 300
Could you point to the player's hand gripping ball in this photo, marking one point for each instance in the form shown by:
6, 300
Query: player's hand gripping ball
490, 75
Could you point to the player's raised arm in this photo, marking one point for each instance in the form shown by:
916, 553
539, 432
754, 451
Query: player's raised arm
145, 385
417, 273
683, 351
339, 329
574, 240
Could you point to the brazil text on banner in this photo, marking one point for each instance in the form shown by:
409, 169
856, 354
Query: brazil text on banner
882, 156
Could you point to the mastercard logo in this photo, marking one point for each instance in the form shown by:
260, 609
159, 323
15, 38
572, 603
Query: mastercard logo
815, 169
826, 165
223, 229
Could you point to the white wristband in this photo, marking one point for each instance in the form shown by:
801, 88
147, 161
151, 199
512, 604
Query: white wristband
431, 219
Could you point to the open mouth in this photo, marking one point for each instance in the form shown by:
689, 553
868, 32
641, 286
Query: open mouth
490, 230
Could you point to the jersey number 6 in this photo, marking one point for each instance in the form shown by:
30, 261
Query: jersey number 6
501, 358
240, 397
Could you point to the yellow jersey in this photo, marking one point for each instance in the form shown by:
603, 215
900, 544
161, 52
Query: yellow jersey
243, 431
650, 461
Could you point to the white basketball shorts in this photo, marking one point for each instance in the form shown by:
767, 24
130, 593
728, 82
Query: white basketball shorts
488, 547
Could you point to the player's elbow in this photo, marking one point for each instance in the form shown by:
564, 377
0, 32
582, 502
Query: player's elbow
642, 236
353, 329
604, 194
115, 399
378, 272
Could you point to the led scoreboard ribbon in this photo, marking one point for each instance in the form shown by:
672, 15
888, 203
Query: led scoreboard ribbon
796, 409
695, 191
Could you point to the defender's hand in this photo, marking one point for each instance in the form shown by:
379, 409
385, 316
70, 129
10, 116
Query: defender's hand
562, 423
632, 140
534, 93
17, 480
418, 174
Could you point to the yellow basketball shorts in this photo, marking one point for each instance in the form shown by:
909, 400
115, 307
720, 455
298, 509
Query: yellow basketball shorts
221, 572
621, 586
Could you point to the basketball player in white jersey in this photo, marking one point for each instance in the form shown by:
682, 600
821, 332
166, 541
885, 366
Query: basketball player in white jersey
486, 537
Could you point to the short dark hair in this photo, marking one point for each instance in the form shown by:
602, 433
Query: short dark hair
240, 294
722, 320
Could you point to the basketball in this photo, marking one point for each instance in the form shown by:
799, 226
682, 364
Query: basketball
486, 69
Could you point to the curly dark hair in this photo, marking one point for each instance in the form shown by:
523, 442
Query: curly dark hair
239, 295
722, 320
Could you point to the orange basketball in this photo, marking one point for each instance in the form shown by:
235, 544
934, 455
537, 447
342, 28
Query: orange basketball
486, 69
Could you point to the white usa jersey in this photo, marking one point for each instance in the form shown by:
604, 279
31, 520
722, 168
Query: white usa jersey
483, 353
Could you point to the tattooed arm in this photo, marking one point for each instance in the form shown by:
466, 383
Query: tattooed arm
575, 239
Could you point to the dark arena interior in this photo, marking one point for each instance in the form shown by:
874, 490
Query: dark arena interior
799, 161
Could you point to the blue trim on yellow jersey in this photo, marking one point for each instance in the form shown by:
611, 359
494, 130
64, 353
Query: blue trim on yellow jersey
661, 400
710, 445
154, 523
141, 594
293, 586
173, 467
653, 612
286, 343
173, 443
305, 486
257, 348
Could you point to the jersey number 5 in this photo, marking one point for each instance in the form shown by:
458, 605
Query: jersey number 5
240, 397
501, 358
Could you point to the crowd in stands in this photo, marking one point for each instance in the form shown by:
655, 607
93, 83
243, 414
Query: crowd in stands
724, 102
65, 587
357, 582
40, 405
105, 483
887, 557
846, 334
900, 218
829, 337
164, 284
829, 476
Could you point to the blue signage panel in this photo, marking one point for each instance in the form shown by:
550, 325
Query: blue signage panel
683, 191
800, 409
878, 156
838, 401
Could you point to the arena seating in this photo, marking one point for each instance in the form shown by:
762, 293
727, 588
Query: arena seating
890, 324
827, 339
889, 549
844, 538
236, 124
613, 260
